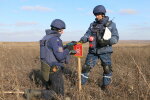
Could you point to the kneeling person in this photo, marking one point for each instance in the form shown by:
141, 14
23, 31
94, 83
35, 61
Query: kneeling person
53, 55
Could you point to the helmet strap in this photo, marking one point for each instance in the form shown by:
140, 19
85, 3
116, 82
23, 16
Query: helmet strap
55, 29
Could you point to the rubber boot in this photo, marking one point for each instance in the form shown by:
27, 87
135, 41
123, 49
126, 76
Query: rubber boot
30, 94
106, 81
84, 78
49, 95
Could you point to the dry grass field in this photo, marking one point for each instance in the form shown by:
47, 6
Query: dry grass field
131, 72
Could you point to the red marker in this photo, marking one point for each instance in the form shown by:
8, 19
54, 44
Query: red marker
91, 38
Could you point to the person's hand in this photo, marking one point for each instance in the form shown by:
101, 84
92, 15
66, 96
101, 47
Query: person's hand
103, 42
74, 42
72, 52
70, 45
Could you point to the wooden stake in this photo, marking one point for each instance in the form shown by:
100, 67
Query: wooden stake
79, 73
12, 92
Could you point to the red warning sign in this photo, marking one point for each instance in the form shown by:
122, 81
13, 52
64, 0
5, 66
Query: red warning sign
79, 49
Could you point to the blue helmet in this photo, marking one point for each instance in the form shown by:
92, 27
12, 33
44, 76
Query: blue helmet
100, 9
59, 24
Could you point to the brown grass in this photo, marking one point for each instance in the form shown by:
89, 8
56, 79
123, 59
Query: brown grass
17, 60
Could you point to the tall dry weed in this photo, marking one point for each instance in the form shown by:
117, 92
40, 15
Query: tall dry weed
18, 60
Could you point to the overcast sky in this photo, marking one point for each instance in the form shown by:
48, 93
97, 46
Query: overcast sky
26, 20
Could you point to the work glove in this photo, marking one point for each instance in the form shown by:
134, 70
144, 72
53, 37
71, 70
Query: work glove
103, 42
83, 40
70, 45
73, 42
72, 52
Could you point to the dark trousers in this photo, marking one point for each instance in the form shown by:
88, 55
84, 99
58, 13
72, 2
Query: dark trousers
53, 80
56, 82
91, 61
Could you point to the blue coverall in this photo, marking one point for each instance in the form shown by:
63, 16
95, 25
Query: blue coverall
99, 51
53, 53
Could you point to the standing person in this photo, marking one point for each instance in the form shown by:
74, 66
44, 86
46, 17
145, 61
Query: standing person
99, 48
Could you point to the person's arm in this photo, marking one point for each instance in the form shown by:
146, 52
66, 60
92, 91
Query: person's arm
85, 38
115, 36
58, 50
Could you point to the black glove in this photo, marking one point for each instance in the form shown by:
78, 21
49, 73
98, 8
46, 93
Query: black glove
70, 45
72, 52
73, 42
103, 42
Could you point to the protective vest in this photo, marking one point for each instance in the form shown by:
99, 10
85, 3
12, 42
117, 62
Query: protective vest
97, 32
46, 54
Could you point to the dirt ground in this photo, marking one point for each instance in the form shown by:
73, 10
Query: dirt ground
131, 72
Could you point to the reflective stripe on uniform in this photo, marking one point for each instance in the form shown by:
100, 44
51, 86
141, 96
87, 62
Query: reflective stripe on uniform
107, 76
84, 76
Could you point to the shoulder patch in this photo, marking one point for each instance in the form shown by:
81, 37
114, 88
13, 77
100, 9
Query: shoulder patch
60, 49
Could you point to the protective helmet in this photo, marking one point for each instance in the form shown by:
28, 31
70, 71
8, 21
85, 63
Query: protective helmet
59, 24
100, 9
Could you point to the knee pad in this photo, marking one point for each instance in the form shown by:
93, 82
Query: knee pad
86, 69
107, 69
